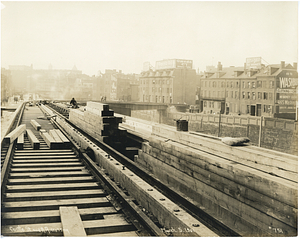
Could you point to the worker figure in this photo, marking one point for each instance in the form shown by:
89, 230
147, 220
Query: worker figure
73, 103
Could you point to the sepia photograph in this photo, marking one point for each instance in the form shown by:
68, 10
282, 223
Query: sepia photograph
149, 118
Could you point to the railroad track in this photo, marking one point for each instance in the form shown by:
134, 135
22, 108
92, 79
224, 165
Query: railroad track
215, 226
46, 192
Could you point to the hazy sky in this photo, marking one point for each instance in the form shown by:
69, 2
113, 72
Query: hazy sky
123, 35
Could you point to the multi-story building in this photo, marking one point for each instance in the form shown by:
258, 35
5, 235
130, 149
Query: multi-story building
115, 85
173, 81
259, 91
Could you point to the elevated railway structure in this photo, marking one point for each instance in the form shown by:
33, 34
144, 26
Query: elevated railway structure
249, 191
73, 184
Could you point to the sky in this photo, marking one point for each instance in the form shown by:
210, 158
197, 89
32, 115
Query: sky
101, 35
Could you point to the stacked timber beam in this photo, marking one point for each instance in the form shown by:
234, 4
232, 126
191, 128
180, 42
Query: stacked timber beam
99, 122
251, 190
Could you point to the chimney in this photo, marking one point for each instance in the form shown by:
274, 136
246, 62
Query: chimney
219, 66
282, 64
295, 65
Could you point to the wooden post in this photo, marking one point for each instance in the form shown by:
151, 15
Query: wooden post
260, 131
219, 132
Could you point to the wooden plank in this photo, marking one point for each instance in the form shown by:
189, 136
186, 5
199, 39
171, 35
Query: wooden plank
55, 213
43, 151
67, 143
45, 160
54, 135
44, 174
9, 138
116, 234
48, 186
20, 141
35, 125
35, 143
61, 202
55, 193
46, 157
109, 221
47, 169
71, 222
48, 139
43, 164
50, 180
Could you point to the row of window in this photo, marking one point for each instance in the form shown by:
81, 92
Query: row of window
235, 95
212, 104
157, 99
235, 84
260, 95
156, 81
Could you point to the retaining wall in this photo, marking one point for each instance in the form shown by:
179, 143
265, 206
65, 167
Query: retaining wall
251, 190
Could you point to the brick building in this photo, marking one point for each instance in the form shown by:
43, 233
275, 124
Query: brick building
259, 91
173, 81
115, 85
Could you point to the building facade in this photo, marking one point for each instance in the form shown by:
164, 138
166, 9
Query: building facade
173, 81
262, 91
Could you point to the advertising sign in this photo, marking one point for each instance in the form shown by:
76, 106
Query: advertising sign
253, 62
287, 109
174, 63
184, 63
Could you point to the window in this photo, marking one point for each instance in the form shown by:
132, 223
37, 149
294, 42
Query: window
258, 84
214, 84
249, 84
243, 95
205, 83
253, 95
231, 84
248, 93
259, 95
270, 96
237, 84
253, 84
227, 94
212, 105
265, 95
248, 109
209, 104
209, 84
272, 84
236, 95
227, 84
244, 85
231, 94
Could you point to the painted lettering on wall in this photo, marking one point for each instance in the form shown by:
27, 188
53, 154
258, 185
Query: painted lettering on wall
288, 82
